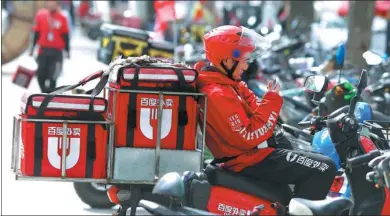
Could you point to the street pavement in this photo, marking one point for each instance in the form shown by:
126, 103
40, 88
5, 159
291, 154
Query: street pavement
38, 197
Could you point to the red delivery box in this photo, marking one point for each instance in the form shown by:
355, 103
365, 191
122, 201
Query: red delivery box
42, 142
25, 72
136, 112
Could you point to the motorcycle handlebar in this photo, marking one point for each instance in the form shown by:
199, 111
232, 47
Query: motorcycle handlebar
381, 170
304, 123
378, 116
362, 159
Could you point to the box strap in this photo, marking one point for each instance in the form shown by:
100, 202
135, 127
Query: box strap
38, 149
182, 121
131, 119
91, 150
132, 110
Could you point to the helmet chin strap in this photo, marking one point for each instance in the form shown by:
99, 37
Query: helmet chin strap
230, 71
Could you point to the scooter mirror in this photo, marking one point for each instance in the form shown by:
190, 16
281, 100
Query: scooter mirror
170, 185
372, 58
316, 83
360, 86
362, 81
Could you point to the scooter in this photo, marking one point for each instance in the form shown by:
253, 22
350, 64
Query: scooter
343, 131
322, 142
222, 192
379, 161
378, 94
377, 65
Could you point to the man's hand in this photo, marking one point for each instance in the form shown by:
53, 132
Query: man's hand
273, 86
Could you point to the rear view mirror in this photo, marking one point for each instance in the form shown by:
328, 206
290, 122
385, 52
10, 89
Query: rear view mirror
316, 83
372, 58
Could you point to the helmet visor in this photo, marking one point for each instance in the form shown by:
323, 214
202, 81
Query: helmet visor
252, 39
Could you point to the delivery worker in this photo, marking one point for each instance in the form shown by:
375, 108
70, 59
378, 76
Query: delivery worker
239, 124
51, 32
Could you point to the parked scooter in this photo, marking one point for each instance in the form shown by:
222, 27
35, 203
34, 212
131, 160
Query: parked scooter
348, 125
377, 65
219, 191
336, 100
378, 94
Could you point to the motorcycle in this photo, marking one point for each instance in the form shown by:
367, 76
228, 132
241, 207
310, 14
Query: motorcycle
222, 192
380, 161
349, 124
335, 101
377, 65
378, 93
322, 142
377, 160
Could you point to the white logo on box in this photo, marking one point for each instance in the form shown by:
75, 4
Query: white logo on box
72, 145
148, 113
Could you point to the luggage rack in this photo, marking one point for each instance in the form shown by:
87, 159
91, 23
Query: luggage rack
192, 159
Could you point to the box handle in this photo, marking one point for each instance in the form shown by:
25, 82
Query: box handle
57, 91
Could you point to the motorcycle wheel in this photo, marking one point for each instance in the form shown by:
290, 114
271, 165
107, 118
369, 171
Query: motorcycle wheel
93, 194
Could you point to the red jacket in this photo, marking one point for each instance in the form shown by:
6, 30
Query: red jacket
54, 23
83, 9
238, 123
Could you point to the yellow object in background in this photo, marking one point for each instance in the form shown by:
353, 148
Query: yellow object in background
105, 42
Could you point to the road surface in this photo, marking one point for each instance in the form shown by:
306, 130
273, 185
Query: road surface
42, 198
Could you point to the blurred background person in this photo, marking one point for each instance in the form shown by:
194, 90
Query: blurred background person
51, 33
68, 11
83, 9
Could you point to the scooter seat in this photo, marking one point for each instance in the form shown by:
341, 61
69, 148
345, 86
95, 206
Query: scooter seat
334, 206
273, 192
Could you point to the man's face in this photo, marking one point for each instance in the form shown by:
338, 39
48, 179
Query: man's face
242, 66
52, 5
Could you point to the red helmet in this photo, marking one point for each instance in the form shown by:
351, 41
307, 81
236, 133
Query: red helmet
233, 42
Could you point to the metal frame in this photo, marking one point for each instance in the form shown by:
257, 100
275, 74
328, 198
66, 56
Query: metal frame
111, 147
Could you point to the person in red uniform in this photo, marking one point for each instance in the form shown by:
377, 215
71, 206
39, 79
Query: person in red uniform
239, 125
83, 9
51, 33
